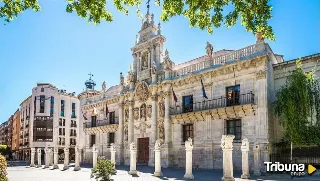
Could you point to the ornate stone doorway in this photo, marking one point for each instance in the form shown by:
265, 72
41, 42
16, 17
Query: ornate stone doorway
143, 150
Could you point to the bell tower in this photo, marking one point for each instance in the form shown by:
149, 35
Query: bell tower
147, 52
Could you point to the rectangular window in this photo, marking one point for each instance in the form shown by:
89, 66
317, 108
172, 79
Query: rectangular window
112, 118
93, 121
73, 123
51, 104
42, 103
111, 138
29, 109
233, 127
187, 131
187, 103
34, 105
93, 140
72, 141
233, 95
62, 108
73, 114
42, 89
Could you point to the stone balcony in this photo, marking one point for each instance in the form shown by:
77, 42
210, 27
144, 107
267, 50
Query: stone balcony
101, 126
218, 108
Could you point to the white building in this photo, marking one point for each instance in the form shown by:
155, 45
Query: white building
51, 118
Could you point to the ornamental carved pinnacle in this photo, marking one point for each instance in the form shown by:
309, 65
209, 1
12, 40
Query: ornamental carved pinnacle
112, 147
132, 146
226, 141
39, 150
245, 145
157, 145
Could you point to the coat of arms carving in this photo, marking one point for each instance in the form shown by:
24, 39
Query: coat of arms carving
149, 111
142, 92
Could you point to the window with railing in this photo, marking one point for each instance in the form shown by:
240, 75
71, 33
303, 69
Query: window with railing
73, 141
73, 113
62, 122
73, 132
62, 132
61, 141
34, 105
233, 95
92, 140
42, 103
93, 121
187, 103
62, 108
73, 124
111, 138
187, 131
112, 118
233, 127
51, 105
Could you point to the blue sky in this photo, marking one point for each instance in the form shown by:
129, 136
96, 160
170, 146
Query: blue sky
61, 48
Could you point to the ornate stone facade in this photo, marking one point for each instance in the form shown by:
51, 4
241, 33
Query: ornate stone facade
239, 87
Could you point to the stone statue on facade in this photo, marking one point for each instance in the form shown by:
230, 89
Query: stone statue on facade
159, 29
209, 49
259, 38
189, 144
112, 147
137, 38
104, 86
130, 77
166, 54
161, 109
144, 61
154, 68
121, 79
245, 144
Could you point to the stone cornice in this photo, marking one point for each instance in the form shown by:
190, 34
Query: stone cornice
111, 128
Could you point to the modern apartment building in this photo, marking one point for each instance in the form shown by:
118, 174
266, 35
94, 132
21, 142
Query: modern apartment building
15, 134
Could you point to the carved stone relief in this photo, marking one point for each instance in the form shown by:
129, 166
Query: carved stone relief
142, 92
161, 130
149, 111
136, 113
161, 109
126, 115
143, 111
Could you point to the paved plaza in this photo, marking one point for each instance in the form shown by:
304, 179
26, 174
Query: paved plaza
25, 173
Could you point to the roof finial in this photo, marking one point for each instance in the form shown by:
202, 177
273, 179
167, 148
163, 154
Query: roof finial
148, 6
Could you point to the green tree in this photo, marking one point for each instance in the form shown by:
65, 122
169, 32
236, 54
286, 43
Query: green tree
205, 14
104, 170
298, 107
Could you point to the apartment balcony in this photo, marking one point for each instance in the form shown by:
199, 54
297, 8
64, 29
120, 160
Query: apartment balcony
218, 108
26, 143
101, 126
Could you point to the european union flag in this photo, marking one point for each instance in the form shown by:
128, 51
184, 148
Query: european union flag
203, 91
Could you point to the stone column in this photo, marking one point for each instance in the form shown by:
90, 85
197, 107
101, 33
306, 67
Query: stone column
66, 159
189, 148
55, 158
47, 157
157, 159
130, 124
51, 157
94, 156
167, 125
39, 157
256, 157
227, 147
154, 119
245, 159
77, 159
120, 134
33, 152
113, 154
133, 159
265, 157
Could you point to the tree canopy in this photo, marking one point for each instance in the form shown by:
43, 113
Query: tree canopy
298, 107
205, 14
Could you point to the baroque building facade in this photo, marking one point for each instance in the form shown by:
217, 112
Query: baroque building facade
222, 92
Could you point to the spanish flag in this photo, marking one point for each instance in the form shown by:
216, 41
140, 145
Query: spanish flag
174, 96
94, 112
203, 91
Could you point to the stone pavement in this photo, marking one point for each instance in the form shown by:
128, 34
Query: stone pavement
24, 173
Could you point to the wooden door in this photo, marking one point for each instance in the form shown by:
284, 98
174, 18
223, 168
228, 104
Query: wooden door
143, 150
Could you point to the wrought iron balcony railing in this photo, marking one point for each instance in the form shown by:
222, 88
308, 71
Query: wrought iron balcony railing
100, 123
221, 102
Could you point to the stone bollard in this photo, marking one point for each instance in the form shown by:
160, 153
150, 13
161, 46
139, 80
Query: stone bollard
157, 159
55, 158
227, 147
33, 152
94, 156
51, 157
189, 148
66, 159
77, 159
113, 154
39, 157
245, 159
133, 159
256, 157
46, 157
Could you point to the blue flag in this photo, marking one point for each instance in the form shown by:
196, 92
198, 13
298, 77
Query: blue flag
203, 91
